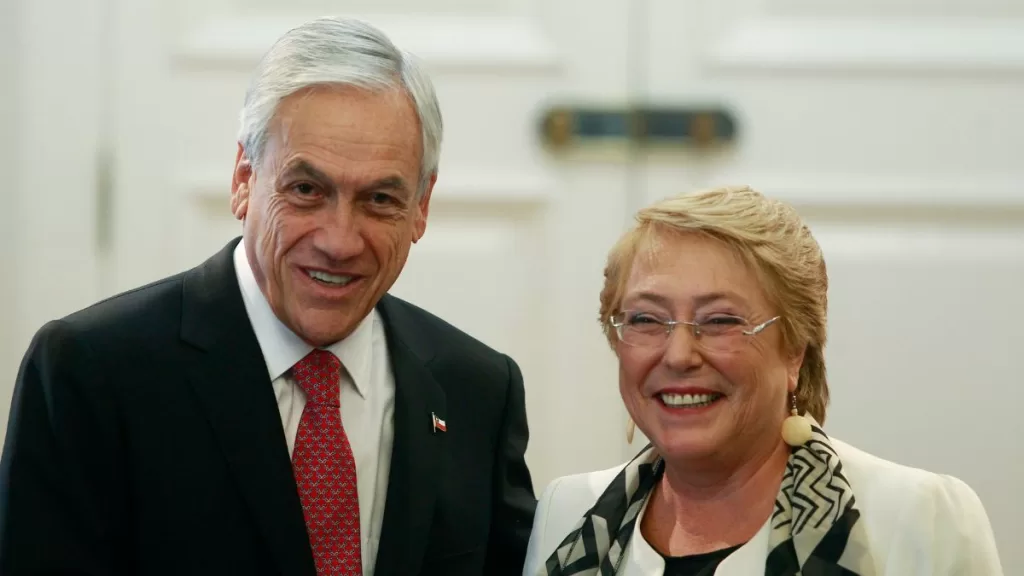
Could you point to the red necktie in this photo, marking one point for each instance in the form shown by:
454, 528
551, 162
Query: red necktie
325, 470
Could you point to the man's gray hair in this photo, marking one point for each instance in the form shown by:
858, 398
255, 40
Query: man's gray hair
338, 51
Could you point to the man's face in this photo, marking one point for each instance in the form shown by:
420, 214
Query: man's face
331, 212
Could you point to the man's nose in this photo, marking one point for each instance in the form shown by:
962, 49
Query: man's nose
339, 236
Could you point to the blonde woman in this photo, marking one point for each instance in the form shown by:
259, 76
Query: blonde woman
715, 305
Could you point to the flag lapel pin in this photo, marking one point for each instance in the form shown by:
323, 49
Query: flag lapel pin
438, 423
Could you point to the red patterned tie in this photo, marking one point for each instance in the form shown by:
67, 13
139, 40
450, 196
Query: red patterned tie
325, 469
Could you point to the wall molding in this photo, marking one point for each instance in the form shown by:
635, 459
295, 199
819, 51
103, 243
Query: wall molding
943, 247
994, 192
449, 43
912, 45
459, 186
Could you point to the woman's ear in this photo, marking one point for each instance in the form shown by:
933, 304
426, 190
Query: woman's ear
796, 361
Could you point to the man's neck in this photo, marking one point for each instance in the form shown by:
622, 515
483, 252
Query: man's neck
698, 509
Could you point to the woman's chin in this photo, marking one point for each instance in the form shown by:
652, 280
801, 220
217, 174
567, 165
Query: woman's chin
686, 445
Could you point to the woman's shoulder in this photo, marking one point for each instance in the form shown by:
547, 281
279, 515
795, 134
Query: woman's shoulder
874, 477
908, 509
561, 505
571, 496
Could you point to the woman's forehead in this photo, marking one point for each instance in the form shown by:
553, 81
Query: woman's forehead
689, 268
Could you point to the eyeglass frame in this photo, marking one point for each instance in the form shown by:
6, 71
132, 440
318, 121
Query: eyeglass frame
670, 325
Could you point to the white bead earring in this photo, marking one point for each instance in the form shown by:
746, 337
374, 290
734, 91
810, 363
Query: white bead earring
630, 430
796, 430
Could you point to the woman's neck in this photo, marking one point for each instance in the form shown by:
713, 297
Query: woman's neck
696, 509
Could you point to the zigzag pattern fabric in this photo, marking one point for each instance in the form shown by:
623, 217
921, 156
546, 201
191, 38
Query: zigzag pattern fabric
814, 527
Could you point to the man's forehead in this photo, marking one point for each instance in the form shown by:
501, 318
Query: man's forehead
343, 137
346, 101
372, 118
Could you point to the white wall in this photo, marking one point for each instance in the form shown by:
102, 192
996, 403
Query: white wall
8, 198
904, 158
49, 129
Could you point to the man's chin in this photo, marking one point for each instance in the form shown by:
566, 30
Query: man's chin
323, 328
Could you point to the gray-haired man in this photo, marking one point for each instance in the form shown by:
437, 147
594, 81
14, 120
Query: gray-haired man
274, 411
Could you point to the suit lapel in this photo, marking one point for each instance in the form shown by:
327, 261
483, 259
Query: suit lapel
229, 376
418, 449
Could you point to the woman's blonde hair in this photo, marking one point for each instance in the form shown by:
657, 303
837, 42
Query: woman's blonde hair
772, 239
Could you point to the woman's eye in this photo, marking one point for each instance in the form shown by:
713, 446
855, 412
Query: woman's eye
724, 321
643, 319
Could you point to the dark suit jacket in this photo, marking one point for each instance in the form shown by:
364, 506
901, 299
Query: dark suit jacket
145, 439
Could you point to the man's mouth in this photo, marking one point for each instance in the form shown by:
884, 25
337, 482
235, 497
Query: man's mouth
329, 279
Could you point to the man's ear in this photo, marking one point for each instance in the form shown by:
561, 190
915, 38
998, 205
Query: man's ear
241, 184
423, 209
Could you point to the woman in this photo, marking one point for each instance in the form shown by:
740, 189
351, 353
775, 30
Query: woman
715, 304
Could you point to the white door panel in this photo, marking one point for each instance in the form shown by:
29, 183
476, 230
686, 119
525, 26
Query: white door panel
925, 329
897, 130
52, 87
894, 126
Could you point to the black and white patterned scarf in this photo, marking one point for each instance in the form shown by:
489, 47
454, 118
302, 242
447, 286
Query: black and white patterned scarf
814, 528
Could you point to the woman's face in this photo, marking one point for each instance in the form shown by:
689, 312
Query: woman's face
703, 397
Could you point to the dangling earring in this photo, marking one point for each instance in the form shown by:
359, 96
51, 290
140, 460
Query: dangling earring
630, 430
796, 430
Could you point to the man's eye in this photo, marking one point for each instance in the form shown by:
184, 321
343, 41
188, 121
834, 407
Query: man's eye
382, 198
304, 188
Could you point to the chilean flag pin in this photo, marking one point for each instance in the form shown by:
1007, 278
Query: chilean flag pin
438, 423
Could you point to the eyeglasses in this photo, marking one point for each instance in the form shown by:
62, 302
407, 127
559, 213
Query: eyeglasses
720, 332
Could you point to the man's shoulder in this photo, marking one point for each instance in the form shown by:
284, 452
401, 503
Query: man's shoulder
126, 316
424, 330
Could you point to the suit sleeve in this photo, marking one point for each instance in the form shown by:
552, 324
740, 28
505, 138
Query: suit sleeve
60, 479
514, 500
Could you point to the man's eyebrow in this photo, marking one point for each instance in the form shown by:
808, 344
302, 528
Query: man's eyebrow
303, 168
394, 183
390, 182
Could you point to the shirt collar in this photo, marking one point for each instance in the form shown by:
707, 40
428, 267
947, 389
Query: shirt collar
282, 348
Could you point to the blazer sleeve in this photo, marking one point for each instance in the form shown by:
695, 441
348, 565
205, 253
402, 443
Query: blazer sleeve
536, 553
514, 500
964, 542
60, 497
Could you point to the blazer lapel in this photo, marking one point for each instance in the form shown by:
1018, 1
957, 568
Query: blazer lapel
749, 558
229, 376
643, 560
418, 448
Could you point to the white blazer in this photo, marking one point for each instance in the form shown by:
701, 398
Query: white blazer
919, 523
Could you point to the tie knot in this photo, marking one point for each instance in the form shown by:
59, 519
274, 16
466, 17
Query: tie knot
319, 376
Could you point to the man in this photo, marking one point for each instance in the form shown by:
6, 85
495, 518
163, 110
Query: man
273, 410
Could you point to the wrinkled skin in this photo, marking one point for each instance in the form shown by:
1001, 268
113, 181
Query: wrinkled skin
696, 277
335, 192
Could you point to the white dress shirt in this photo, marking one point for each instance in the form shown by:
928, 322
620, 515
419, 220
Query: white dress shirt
367, 397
